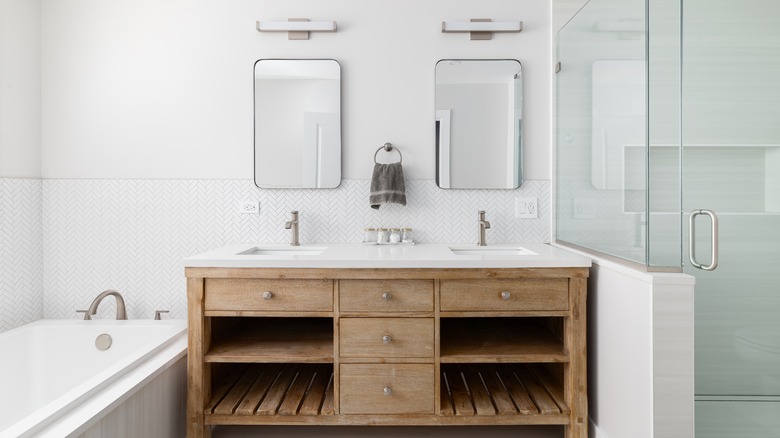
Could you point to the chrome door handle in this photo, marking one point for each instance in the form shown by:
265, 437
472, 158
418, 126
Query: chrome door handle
692, 239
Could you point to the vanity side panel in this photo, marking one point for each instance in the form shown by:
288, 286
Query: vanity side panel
575, 371
198, 372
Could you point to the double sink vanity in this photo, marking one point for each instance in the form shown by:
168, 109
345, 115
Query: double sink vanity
423, 334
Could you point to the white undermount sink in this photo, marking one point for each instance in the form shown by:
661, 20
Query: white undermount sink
488, 251
284, 251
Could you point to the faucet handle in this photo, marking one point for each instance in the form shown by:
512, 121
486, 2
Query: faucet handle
157, 314
87, 317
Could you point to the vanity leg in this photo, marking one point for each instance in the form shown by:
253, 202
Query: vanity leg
198, 372
575, 372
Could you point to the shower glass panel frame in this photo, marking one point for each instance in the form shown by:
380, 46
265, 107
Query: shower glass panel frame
618, 190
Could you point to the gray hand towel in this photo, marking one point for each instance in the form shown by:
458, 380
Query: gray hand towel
387, 185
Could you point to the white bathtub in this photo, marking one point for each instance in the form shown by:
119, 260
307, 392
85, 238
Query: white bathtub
55, 382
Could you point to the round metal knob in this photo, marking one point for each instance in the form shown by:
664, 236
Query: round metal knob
505, 295
267, 295
386, 339
388, 391
386, 296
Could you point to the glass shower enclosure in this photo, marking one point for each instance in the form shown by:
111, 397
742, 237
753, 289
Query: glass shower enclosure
668, 114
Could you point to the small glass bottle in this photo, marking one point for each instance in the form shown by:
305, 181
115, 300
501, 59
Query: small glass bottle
407, 236
381, 235
395, 235
369, 235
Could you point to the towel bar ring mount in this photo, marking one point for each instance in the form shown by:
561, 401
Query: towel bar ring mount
389, 147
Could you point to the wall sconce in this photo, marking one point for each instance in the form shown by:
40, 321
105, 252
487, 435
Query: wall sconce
481, 28
296, 28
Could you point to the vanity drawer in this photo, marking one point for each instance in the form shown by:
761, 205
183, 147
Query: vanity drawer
251, 294
386, 338
386, 295
505, 295
386, 389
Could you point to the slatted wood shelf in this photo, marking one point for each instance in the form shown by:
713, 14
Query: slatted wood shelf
503, 390
261, 340
479, 340
274, 390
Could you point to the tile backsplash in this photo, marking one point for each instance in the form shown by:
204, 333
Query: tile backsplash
21, 269
131, 235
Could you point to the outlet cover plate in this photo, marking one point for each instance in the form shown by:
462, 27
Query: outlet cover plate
526, 208
249, 207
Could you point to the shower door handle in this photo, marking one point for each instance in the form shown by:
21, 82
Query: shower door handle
692, 239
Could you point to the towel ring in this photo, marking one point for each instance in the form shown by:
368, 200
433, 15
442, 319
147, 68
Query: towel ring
389, 147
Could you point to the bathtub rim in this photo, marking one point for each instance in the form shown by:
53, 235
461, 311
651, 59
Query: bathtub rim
69, 414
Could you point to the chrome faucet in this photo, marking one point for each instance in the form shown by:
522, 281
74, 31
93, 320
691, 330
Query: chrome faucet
292, 224
121, 312
483, 225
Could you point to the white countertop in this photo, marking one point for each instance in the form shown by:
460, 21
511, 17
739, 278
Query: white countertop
426, 255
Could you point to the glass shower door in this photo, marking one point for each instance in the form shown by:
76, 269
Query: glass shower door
731, 165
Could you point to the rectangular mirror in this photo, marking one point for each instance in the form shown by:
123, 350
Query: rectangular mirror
479, 121
297, 123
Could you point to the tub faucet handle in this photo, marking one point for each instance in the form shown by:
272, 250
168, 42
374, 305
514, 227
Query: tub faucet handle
87, 317
158, 313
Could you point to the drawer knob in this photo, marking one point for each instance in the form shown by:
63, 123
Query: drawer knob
267, 295
388, 390
386, 339
505, 295
387, 296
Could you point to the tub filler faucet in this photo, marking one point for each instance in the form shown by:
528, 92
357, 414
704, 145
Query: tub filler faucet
292, 225
483, 225
121, 312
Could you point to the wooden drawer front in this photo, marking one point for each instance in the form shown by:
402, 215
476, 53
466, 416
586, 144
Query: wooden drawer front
386, 295
386, 389
386, 337
285, 295
501, 295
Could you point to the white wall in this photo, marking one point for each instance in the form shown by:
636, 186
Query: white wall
20, 105
21, 270
163, 89
640, 341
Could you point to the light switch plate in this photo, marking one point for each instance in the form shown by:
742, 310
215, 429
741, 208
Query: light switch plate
526, 208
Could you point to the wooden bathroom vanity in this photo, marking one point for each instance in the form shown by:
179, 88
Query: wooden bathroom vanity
343, 344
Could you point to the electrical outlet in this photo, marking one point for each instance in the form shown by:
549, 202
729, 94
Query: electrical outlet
249, 207
526, 208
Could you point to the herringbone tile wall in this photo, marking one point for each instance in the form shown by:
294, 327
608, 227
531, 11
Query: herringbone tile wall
21, 268
131, 235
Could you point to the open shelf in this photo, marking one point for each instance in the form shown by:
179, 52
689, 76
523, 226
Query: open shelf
273, 389
491, 340
272, 340
501, 389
